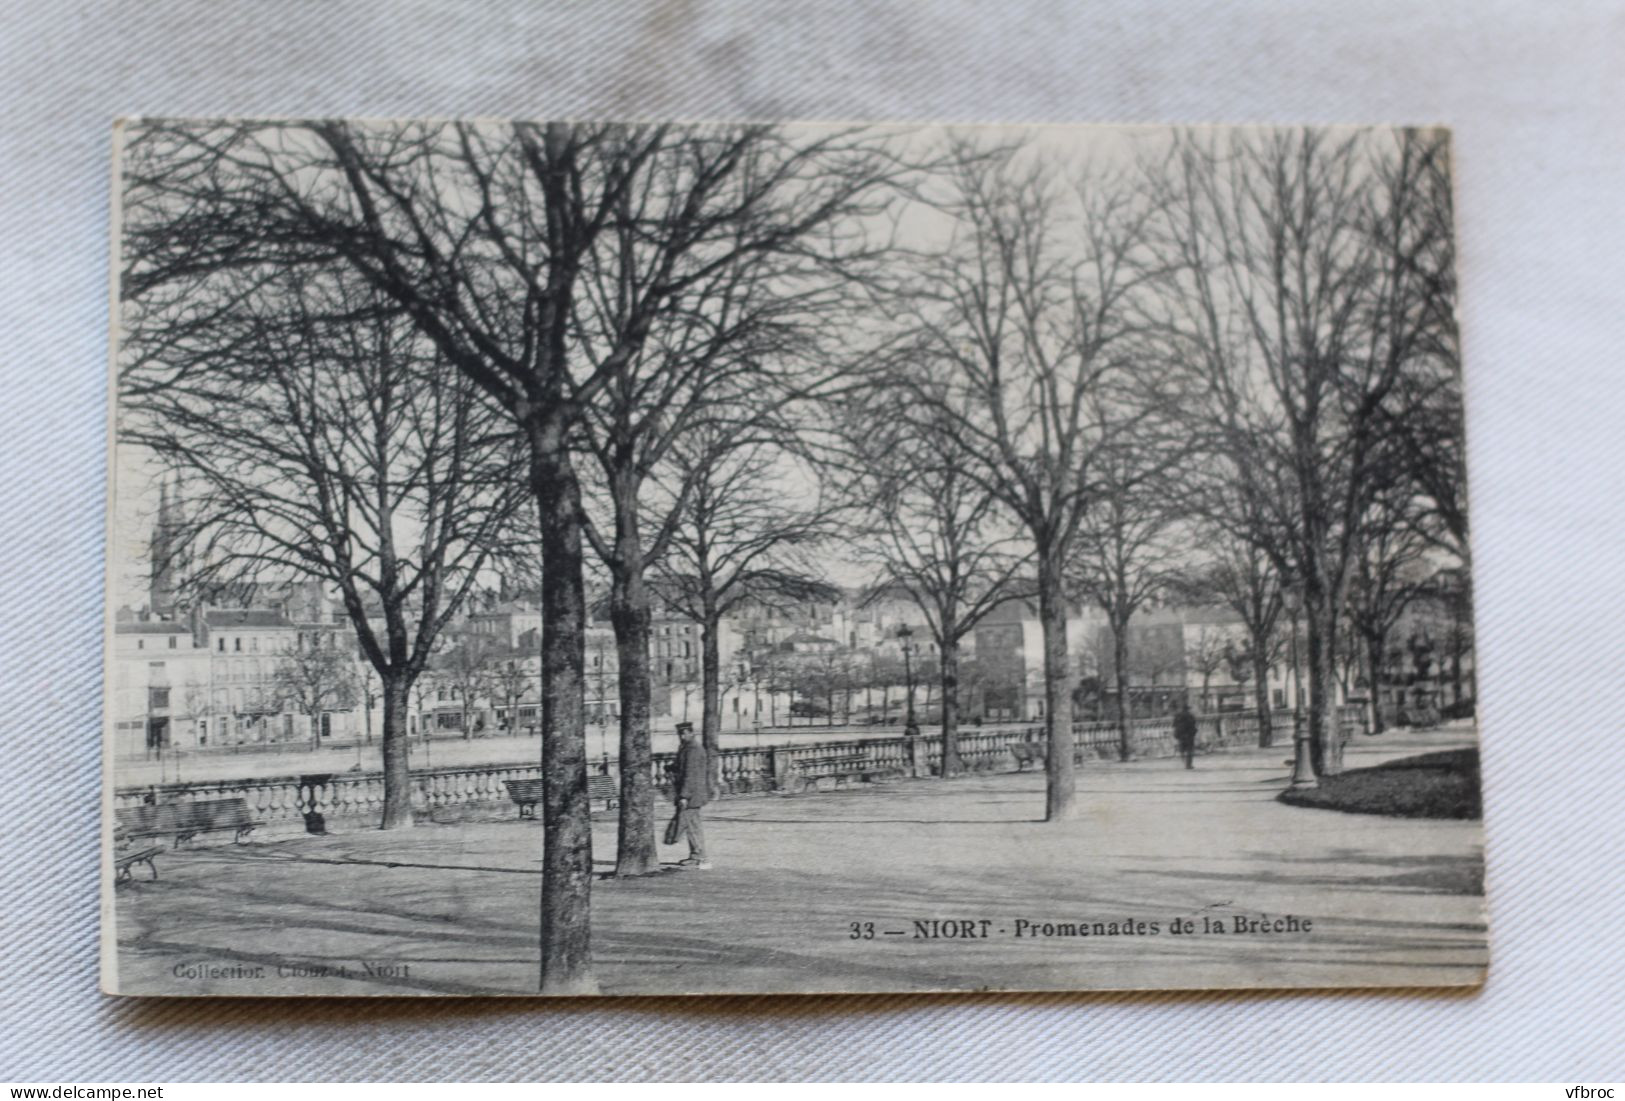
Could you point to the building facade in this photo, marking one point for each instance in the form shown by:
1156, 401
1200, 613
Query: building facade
160, 688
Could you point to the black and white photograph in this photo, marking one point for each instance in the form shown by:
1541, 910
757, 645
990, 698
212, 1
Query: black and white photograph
574, 558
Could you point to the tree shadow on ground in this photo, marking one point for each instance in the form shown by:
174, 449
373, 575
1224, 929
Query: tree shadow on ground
362, 862
1432, 874
634, 944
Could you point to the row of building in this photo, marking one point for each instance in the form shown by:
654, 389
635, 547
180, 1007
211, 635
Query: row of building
285, 666
230, 676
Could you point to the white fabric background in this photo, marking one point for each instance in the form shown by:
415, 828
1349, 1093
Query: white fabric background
1535, 94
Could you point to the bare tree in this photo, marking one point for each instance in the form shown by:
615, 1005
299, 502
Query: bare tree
199, 704
1423, 424
1207, 653
1124, 554
819, 678
511, 680
933, 531
1302, 298
1022, 337
466, 667
314, 434
730, 262
1453, 589
742, 534
1389, 573
494, 241
314, 680
423, 694
1244, 579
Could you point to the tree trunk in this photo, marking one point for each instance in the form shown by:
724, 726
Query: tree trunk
1375, 645
1261, 695
629, 614
951, 763
1120, 660
1060, 793
396, 752
1325, 738
566, 911
711, 695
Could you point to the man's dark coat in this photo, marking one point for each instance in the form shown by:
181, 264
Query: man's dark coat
1185, 730
690, 779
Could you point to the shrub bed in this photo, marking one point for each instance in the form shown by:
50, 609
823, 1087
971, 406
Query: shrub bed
1433, 785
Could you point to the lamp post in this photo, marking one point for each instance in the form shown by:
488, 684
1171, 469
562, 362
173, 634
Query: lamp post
1303, 766
911, 729
755, 677
906, 635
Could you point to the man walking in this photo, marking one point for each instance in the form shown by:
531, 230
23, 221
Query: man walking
691, 789
1185, 733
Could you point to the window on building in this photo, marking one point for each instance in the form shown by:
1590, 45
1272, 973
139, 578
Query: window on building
237, 644
254, 644
221, 645
157, 699
172, 642
140, 644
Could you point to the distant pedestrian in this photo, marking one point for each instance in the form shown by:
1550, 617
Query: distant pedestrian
691, 790
1185, 734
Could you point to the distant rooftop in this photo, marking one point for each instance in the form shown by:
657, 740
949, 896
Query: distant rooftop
807, 637
245, 617
1211, 613
150, 627
510, 607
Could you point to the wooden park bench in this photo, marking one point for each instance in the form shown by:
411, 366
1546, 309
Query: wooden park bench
1029, 753
129, 858
125, 857
852, 765
183, 821
527, 793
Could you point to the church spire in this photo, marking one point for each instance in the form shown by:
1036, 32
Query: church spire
164, 550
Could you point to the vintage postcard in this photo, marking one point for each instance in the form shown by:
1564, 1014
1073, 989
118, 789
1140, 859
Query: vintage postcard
577, 558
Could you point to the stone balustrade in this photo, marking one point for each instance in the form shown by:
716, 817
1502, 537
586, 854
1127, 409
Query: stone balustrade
348, 799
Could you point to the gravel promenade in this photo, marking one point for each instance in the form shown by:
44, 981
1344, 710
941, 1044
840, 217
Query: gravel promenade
965, 887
